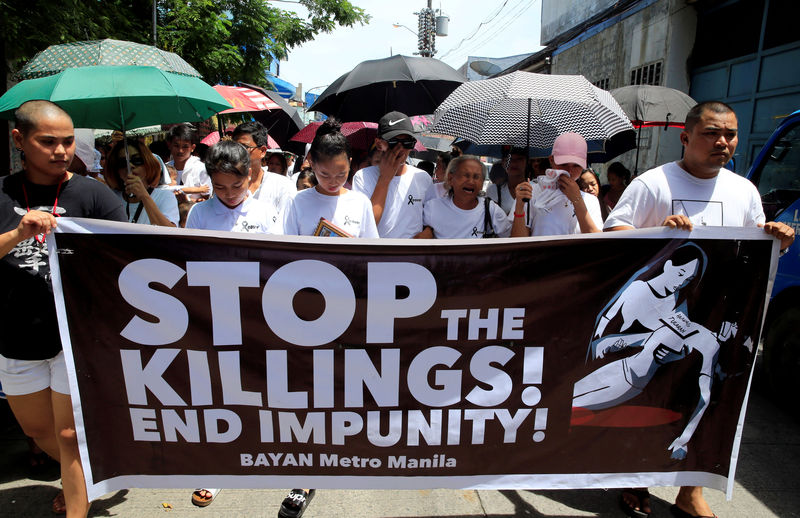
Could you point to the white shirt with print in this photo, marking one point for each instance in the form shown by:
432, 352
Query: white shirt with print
351, 211
402, 212
251, 215
450, 222
727, 200
277, 190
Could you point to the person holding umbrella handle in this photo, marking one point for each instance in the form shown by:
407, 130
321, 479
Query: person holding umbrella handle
557, 204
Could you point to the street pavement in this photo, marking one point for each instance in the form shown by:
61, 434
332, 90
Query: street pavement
767, 484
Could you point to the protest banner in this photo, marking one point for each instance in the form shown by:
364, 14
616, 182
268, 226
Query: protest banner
210, 359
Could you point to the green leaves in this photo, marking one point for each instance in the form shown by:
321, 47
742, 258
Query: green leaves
225, 40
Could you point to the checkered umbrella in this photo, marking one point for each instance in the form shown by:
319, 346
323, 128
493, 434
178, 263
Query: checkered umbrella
57, 58
528, 110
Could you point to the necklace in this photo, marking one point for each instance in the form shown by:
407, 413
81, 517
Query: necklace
40, 238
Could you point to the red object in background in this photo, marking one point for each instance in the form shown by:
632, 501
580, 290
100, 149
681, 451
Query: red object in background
360, 135
213, 137
245, 99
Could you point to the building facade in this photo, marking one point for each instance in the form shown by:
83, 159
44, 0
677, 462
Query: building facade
743, 52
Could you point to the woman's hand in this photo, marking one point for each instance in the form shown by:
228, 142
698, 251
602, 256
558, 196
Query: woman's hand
34, 223
524, 191
570, 188
135, 188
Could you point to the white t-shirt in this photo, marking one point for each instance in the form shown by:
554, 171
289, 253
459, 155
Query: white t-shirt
451, 222
727, 200
402, 212
193, 174
559, 219
435, 191
351, 211
165, 201
277, 190
251, 215
506, 201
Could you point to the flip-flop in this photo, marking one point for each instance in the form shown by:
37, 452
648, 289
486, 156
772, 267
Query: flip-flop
295, 503
203, 501
677, 512
640, 495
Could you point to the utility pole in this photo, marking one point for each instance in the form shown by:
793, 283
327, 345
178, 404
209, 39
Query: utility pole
430, 26
426, 36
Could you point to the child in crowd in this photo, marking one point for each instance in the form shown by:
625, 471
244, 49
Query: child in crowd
349, 210
191, 171
232, 208
306, 180
462, 214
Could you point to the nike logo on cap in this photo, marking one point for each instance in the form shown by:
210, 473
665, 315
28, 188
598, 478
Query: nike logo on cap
392, 123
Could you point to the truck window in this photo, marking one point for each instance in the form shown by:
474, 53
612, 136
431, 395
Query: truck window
778, 179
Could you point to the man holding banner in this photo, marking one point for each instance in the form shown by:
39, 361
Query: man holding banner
696, 190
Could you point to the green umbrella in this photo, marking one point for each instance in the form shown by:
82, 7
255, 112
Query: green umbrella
119, 97
56, 58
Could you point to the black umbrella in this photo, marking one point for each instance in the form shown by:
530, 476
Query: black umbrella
414, 86
649, 105
282, 124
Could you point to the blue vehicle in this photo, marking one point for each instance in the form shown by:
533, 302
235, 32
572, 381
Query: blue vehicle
776, 173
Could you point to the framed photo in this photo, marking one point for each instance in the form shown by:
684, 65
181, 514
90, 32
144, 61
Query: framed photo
327, 229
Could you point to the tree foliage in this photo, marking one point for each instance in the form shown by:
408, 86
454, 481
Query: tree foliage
236, 40
225, 40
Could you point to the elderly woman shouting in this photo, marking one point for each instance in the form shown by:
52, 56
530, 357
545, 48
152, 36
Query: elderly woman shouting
462, 214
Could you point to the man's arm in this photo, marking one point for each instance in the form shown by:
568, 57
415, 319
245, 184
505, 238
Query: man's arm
200, 189
781, 231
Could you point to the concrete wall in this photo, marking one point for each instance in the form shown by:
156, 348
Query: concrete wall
559, 16
663, 31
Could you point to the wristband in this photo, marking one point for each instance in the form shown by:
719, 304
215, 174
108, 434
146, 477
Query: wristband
519, 215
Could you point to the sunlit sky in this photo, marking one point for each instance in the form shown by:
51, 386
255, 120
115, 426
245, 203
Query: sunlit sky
509, 27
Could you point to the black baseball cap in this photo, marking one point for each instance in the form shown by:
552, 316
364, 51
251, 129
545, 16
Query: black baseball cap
393, 124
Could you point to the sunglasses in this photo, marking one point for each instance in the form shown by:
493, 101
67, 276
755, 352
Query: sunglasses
408, 144
136, 161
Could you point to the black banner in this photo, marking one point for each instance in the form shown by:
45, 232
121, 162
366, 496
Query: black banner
224, 360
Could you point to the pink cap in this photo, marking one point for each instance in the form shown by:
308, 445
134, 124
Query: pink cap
570, 148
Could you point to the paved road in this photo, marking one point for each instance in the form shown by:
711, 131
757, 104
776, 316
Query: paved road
768, 484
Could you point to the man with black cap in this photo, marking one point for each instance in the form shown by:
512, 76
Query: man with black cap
395, 188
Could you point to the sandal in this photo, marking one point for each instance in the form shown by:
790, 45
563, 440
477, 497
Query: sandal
643, 497
677, 512
59, 503
202, 500
295, 503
